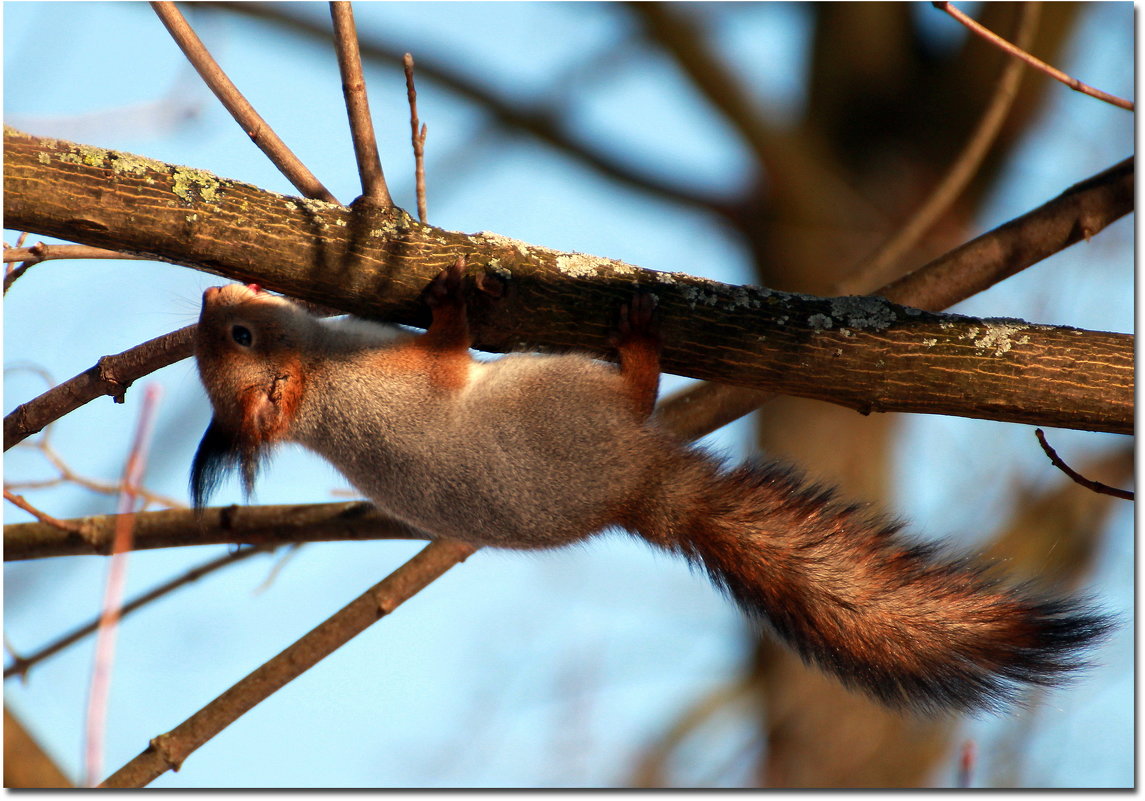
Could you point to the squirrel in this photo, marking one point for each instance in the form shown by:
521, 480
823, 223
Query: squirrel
537, 451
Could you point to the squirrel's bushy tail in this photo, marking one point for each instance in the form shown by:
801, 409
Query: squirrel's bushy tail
897, 619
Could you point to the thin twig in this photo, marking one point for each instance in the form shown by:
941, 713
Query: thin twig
22, 664
1095, 486
543, 122
69, 526
69, 476
1036, 63
44, 252
358, 105
255, 126
167, 751
116, 579
878, 267
416, 136
41, 252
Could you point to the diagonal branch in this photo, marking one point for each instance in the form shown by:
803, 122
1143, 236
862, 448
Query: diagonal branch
228, 94
1033, 61
110, 375
545, 123
167, 751
878, 267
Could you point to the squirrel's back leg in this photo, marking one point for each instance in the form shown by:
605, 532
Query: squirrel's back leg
636, 337
444, 348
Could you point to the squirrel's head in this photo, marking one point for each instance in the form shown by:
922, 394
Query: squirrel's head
250, 349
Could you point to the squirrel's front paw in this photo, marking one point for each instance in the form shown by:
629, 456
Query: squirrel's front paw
636, 321
445, 288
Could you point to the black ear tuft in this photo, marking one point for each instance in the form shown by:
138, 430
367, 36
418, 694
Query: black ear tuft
219, 453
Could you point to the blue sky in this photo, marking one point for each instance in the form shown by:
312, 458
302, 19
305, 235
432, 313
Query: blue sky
549, 669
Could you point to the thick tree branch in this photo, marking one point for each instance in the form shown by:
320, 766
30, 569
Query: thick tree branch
866, 354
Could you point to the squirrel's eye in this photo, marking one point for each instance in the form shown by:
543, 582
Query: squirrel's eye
242, 335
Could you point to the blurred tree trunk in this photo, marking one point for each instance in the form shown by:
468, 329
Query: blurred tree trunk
890, 115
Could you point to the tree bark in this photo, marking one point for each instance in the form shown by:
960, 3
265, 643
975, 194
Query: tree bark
863, 353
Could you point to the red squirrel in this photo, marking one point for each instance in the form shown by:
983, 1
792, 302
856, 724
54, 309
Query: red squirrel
538, 451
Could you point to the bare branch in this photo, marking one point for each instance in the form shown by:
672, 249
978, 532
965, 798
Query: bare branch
26, 765
65, 526
43, 252
879, 267
545, 123
1096, 486
1036, 63
167, 751
1077, 213
358, 105
111, 375
228, 94
267, 526
417, 137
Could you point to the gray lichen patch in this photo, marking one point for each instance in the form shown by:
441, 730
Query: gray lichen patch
820, 322
863, 313
729, 298
319, 206
503, 241
998, 338
582, 265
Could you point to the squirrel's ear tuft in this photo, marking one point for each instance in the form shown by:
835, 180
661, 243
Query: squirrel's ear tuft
219, 453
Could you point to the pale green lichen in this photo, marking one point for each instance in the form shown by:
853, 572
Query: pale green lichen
43, 158
820, 322
85, 154
745, 297
131, 164
930, 343
191, 185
